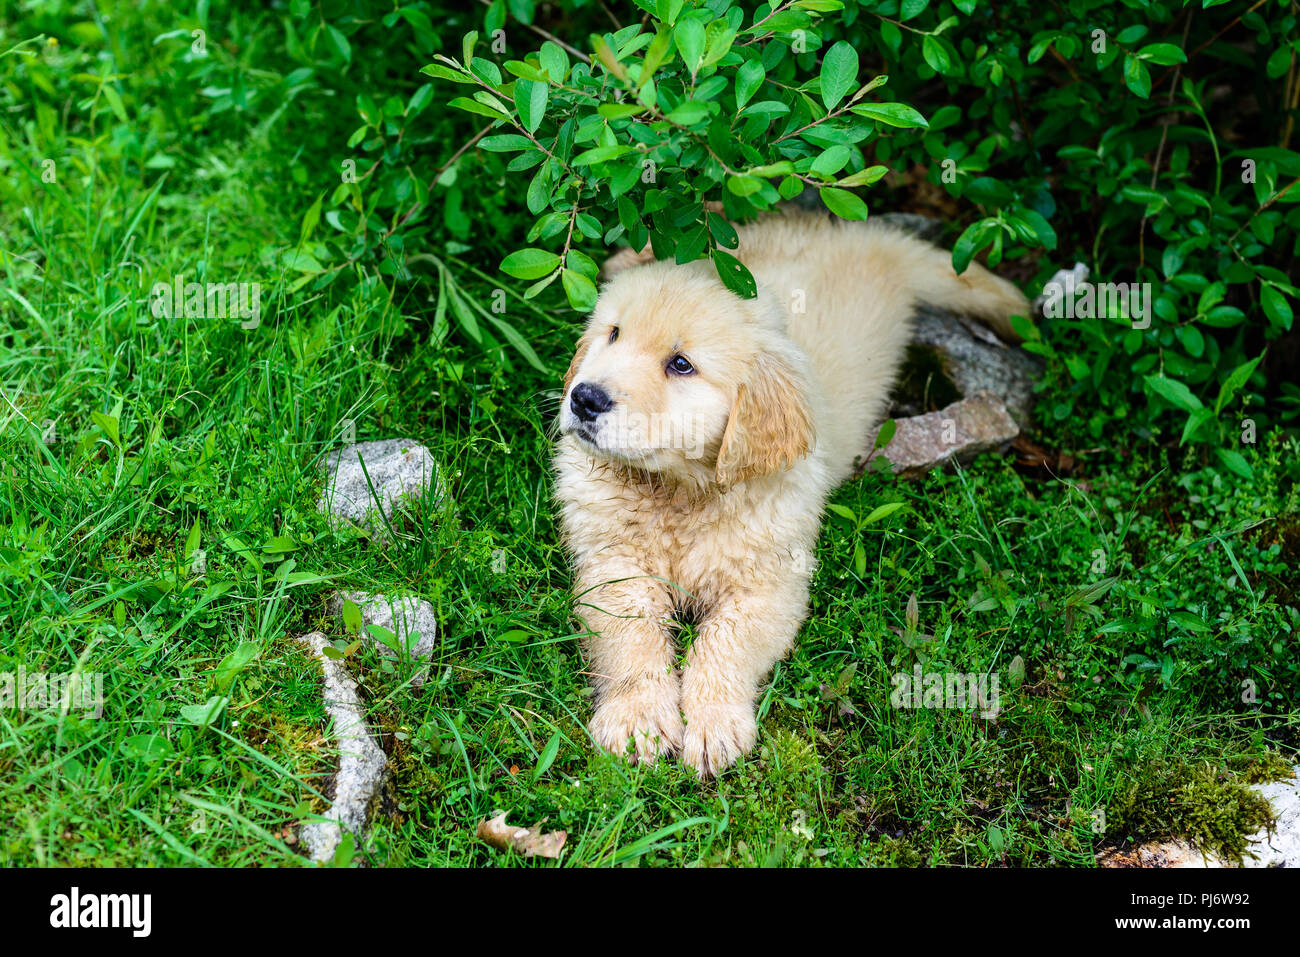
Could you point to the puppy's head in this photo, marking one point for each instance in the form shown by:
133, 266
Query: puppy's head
678, 377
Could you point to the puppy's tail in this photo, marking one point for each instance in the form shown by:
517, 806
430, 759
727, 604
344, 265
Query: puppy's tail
928, 273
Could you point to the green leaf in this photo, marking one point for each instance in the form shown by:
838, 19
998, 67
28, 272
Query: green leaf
844, 511
580, 290
654, 56
505, 141
842, 203
749, 78
1194, 422
911, 8
830, 162
1162, 54
531, 263
601, 154
744, 185
512, 336
474, 106
1276, 307
1190, 620
300, 260
310, 219
1236, 462
206, 713
548, 756
839, 73
1136, 76
882, 511
886, 434
619, 111
108, 424
554, 61
149, 748
1174, 392
734, 274
1236, 379
892, 114
351, 617
690, 112
689, 35
973, 238
864, 177
447, 73
531, 98
385, 637
235, 662
192, 540
935, 55
1278, 62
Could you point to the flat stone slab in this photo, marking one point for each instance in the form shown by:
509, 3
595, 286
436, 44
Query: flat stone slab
960, 431
1278, 848
405, 617
361, 761
400, 471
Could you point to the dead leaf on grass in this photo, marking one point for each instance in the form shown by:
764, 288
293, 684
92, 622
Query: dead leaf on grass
528, 841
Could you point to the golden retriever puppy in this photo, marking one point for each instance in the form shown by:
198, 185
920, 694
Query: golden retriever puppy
701, 436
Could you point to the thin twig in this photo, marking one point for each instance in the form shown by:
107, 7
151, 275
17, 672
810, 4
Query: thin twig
460, 152
1160, 152
1235, 21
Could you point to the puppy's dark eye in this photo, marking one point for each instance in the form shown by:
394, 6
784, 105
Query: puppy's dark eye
613, 334
680, 365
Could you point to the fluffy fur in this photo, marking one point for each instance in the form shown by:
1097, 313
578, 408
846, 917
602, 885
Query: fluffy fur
700, 496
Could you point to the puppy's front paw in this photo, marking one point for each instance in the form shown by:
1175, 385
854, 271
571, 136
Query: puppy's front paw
716, 735
648, 717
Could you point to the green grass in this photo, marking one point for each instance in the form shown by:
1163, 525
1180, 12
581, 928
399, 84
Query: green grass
164, 425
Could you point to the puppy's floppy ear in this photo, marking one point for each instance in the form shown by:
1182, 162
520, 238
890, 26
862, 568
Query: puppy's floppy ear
771, 425
579, 353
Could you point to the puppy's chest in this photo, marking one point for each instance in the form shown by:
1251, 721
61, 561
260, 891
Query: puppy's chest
704, 547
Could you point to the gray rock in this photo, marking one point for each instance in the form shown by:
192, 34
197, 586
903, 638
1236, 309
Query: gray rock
403, 616
361, 761
974, 360
1070, 278
1281, 846
959, 431
400, 470
969, 355
923, 227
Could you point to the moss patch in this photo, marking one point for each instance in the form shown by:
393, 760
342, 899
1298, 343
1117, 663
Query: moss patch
1211, 806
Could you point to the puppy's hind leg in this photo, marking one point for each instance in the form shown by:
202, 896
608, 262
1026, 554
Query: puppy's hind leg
631, 657
738, 643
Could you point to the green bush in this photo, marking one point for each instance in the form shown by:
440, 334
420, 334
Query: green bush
1085, 121
1149, 141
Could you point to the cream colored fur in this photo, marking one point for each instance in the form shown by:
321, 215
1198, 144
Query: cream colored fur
702, 495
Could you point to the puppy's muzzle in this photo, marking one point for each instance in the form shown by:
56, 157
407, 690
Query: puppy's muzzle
589, 401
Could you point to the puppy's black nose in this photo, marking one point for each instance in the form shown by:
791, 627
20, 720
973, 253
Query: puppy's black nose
588, 401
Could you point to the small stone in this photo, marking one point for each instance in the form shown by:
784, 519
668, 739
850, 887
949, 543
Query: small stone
961, 431
403, 616
1070, 278
400, 470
